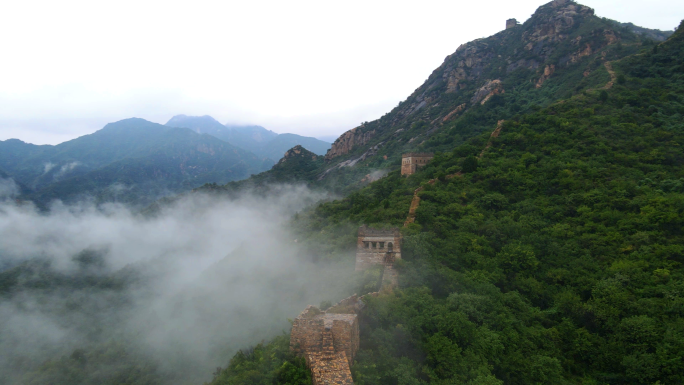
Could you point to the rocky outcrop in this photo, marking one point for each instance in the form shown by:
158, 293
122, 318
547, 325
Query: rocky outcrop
297, 151
348, 141
489, 89
467, 63
453, 113
453, 78
586, 51
548, 71
530, 64
557, 35
553, 21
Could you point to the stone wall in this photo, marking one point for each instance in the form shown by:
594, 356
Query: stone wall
308, 332
328, 366
377, 247
328, 341
411, 161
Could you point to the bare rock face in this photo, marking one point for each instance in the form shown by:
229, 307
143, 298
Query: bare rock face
456, 75
553, 25
489, 89
297, 151
548, 71
454, 112
348, 141
467, 63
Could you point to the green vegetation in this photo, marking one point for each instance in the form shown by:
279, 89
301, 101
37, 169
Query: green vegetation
556, 258
131, 161
265, 364
553, 258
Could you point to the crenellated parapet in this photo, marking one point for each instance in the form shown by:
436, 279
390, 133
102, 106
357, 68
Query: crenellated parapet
377, 247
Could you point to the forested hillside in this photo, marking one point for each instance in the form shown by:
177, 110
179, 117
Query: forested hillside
546, 246
132, 161
550, 254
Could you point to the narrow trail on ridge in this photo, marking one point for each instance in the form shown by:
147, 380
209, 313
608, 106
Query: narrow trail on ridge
609, 68
613, 77
415, 202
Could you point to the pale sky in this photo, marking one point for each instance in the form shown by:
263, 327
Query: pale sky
316, 68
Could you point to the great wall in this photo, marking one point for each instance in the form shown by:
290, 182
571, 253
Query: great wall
329, 339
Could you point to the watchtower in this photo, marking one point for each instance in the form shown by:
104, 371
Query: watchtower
412, 160
510, 23
377, 247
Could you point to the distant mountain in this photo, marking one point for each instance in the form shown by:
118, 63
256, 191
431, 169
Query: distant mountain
654, 34
132, 160
257, 139
254, 133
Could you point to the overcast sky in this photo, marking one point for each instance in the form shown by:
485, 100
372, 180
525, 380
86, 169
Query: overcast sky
316, 68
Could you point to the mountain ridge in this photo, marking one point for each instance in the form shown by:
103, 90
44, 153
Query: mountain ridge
126, 154
559, 52
256, 139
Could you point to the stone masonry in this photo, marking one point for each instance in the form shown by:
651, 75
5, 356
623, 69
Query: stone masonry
310, 326
377, 247
328, 340
411, 161
510, 23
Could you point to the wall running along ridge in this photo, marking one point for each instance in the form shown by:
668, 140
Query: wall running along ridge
415, 202
329, 339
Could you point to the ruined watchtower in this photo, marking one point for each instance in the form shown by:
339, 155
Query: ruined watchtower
377, 247
328, 340
510, 23
411, 161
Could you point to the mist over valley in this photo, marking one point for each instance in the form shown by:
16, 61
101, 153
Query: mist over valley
512, 213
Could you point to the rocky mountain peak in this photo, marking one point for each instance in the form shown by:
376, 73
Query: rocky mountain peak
297, 152
554, 20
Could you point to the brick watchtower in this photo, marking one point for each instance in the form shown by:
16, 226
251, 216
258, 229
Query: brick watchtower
411, 161
510, 23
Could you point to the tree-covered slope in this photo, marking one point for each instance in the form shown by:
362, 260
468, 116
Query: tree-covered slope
132, 160
296, 165
551, 254
182, 161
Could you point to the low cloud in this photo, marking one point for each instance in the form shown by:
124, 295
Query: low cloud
47, 167
67, 168
183, 288
8, 188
